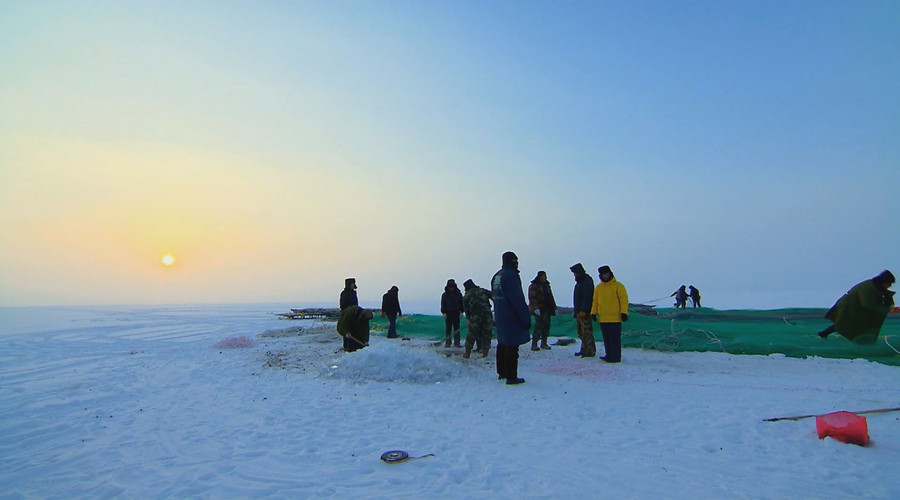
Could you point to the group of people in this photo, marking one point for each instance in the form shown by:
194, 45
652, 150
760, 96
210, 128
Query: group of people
858, 315
681, 295
606, 304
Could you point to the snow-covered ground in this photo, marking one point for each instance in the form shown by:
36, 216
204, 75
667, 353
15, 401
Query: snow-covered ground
156, 402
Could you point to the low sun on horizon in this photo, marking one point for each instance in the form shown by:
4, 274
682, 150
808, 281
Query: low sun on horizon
168, 259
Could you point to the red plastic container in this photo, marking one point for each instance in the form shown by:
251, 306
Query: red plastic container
844, 426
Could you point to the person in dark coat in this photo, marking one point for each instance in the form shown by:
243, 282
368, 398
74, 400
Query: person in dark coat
390, 307
511, 316
451, 309
859, 313
695, 296
681, 296
583, 301
348, 295
543, 307
353, 326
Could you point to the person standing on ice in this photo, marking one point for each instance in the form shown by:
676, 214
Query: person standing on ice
512, 318
582, 301
480, 320
348, 296
543, 307
610, 309
694, 295
451, 309
859, 313
390, 307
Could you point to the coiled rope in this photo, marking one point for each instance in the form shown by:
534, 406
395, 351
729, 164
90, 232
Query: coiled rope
671, 342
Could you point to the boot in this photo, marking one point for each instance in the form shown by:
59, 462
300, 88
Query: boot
534, 346
544, 344
467, 353
484, 352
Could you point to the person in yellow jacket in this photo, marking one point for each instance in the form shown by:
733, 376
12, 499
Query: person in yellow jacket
610, 309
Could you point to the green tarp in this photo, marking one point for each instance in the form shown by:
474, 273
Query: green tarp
791, 332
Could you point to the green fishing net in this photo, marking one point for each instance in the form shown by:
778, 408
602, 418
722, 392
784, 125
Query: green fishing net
791, 332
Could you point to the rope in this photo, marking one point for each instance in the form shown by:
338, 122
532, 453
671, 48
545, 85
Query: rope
889, 344
655, 300
399, 456
671, 342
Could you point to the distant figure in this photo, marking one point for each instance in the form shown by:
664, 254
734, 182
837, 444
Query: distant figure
610, 309
354, 327
348, 296
695, 296
390, 307
582, 300
480, 320
543, 307
451, 309
511, 315
859, 313
681, 296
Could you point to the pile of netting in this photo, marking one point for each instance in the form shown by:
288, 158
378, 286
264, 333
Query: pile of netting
791, 332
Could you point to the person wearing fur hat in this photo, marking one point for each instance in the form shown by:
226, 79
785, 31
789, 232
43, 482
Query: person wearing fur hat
348, 295
511, 316
859, 313
610, 309
582, 300
543, 307
451, 309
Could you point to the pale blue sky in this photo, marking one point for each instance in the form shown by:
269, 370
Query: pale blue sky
748, 148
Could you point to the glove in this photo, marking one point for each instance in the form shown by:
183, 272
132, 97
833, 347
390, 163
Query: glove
537, 312
594, 317
444, 315
580, 315
383, 314
624, 317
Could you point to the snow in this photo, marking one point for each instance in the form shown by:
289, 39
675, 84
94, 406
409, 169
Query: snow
137, 402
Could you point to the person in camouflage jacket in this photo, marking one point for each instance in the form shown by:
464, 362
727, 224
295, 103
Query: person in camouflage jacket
542, 306
480, 320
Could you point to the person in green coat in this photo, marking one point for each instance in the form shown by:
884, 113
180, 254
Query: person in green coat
859, 314
353, 326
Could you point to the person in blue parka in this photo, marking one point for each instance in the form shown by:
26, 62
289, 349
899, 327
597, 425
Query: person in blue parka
511, 317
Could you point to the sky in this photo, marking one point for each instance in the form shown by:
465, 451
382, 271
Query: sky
275, 148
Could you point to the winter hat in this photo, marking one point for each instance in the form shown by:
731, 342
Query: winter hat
577, 268
451, 282
540, 273
885, 277
349, 281
469, 284
509, 258
395, 289
604, 269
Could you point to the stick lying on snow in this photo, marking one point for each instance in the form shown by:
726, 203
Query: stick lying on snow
799, 417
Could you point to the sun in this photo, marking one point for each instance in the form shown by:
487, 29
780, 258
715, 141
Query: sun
168, 259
